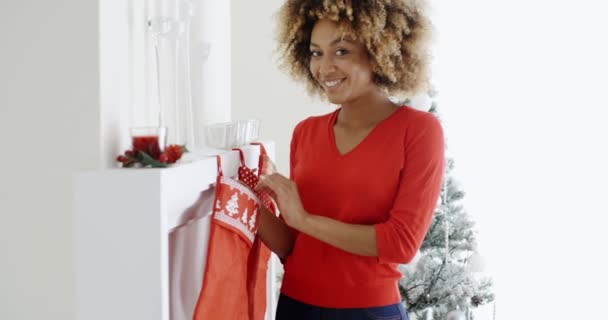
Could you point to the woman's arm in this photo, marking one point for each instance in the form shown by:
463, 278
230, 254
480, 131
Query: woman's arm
275, 234
398, 238
354, 238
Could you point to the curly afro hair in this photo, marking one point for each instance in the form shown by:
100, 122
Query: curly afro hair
396, 34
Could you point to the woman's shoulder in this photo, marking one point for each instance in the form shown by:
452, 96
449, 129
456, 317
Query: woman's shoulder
420, 126
418, 118
416, 125
413, 112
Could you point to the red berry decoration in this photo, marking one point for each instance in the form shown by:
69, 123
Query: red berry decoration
150, 157
164, 158
174, 152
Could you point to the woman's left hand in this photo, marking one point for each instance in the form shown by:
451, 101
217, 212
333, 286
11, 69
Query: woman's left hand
285, 193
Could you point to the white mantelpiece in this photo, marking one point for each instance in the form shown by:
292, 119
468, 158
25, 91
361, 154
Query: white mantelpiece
123, 222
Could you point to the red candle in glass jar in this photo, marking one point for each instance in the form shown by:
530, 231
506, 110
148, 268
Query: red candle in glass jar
150, 140
147, 144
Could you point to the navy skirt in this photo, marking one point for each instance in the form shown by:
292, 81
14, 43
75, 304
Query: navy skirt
291, 309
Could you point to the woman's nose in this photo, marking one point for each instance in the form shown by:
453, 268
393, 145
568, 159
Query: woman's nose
326, 66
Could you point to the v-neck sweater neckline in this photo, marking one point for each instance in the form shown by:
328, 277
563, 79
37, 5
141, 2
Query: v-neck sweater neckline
332, 137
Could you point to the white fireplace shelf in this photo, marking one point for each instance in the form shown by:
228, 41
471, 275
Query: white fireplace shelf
141, 238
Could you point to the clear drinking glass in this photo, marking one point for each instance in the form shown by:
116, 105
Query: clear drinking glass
232, 134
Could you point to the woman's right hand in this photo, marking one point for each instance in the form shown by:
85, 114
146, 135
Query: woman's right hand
268, 167
272, 230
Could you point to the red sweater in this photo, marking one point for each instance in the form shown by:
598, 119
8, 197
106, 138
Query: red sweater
391, 180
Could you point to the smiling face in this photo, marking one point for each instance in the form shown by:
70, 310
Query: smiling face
340, 65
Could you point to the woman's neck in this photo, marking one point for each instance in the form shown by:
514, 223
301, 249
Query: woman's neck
365, 111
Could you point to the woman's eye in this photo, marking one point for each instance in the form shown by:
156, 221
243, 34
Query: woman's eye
341, 52
315, 53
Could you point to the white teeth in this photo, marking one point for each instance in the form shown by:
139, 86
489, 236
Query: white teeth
333, 83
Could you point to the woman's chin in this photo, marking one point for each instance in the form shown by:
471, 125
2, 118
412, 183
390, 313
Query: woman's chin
335, 99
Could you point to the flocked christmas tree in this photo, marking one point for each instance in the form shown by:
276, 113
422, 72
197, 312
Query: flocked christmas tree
445, 275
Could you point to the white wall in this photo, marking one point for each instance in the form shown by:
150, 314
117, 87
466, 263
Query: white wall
522, 88
49, 127
259, 88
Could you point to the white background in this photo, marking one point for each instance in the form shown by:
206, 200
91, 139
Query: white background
522, 90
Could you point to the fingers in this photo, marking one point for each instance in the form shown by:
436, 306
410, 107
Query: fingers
272, 195
274, 181
268, 187
265, 182
268, 166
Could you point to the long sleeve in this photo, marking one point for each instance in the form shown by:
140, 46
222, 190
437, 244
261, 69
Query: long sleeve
399, 238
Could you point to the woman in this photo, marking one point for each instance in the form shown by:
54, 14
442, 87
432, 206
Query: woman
364, 179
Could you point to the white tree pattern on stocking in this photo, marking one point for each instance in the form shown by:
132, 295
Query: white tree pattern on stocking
252, 219
233, 205
244, 217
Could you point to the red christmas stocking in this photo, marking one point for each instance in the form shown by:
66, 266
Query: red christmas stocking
224, 294
259, 255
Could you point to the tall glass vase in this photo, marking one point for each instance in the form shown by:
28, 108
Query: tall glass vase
183, 67
169, 30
